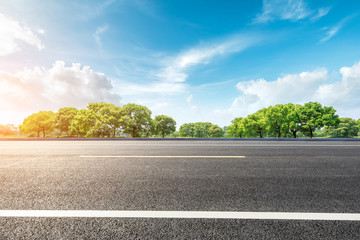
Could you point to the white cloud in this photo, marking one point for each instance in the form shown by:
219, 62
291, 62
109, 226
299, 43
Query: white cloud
343, 95
330, 33
12, 33
257, 94
176, 69
60, 86
321, 13
98, 32
289, 88
292, 10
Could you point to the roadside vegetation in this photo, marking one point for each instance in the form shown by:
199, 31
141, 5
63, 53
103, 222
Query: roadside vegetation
101, 120
98, 120
292, 121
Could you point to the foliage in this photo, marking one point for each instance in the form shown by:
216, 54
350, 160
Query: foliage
277, 120
256, 124
164, 125
186, 130
236, 129
285, 121
347, 128
82, 123
41, 122
313, 116
200, 130
135, 120
64, 118
105, 119
293, 119
8, 129
215, 131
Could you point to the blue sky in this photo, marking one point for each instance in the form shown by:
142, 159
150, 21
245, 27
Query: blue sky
192, 60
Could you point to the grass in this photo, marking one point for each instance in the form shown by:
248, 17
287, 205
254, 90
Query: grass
13, 136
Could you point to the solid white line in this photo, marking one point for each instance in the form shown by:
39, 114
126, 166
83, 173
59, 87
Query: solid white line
84, 156
182, 214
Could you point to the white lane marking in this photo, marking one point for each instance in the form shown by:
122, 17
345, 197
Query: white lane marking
182, 214
83, 156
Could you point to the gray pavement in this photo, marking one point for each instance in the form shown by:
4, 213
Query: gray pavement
286, 176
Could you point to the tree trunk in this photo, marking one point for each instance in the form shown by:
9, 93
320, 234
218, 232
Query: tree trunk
311, 133
44, 132
163, 134
294, 133
279, 134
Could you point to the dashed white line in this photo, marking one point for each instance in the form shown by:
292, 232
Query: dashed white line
182, 214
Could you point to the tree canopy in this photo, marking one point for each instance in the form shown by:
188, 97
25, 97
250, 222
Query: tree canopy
285, 121
164, 125
135, 120
348, 127
200, 130
41, 122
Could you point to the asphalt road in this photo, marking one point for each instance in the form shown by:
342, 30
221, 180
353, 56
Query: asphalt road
318, 177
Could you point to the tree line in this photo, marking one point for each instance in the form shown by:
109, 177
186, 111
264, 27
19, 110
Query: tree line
132, 120
290, 120
98, 120
8, 129
201, 130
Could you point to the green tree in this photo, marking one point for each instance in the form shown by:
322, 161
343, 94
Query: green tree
215, 131
293, 118
63, 119
236, 129
135, 119
255, 124
41, 122
186, 130
201, 129
164, 125
106, 119
313, 116
277, 120
82, 123
348, 127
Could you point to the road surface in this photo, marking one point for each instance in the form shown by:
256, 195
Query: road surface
197, 179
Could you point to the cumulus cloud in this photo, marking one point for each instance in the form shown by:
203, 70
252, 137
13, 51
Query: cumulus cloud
60, 86
343, 94
289, 88
12, 33
287, 10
